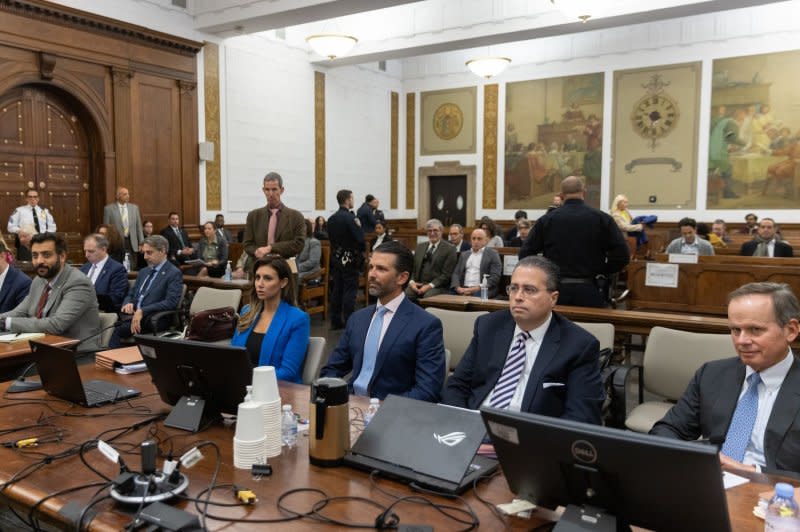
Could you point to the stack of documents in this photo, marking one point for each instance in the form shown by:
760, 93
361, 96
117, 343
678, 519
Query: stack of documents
7, 338
123, 360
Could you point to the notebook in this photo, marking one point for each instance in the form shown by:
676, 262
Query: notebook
427, 444
60, 378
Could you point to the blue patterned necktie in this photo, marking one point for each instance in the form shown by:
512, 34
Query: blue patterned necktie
371, 346
509, 379
744, 419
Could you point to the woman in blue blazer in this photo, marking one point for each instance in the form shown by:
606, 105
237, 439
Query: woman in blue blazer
273, 330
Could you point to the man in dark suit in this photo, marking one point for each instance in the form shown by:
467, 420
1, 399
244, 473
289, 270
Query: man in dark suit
474, 264
434, 262
347, 250
14, 284
158, 287
367, 214
274, 228
765, 244
529, 358
513, 233
455, 236
108, 276
749, 405
180, 247
219, 227
395, 346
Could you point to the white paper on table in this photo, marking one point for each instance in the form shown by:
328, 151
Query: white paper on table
660, 274
509, 261
729, 480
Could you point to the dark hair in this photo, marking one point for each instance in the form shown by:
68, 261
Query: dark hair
688, 221
343, 195
173, 213
784, 302
309, 228
115, 240
520, 214
318, 226
369, 198
279, 264
749, 214
30, 190
550, 269
403, 258
61, 244
702, 230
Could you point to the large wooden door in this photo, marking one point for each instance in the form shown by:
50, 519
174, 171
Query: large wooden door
44, 145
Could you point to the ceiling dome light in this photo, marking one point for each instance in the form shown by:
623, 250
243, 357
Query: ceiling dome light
582, 10
331, 45
486, 67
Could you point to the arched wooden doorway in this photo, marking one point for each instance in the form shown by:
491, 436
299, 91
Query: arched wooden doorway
46, 143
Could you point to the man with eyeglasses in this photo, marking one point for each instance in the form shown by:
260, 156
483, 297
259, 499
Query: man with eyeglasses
31, 214
434, 262
529, 358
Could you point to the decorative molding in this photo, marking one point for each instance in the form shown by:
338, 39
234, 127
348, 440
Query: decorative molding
410, 149
212, 119
121, 77
188, 87
393, 149
74, 18
47, 63
448, 168
319, 140
490, 97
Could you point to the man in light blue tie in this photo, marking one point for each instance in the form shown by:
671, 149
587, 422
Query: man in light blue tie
750, 404
394, 346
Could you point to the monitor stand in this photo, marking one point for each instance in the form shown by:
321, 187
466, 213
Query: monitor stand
581, 518
187, 414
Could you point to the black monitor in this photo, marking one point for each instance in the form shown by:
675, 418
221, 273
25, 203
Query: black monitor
202, 380
616, 477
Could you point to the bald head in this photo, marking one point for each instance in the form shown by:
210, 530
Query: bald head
572, 187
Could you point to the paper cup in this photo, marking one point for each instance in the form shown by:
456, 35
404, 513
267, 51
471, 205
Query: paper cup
250, 422
265, 385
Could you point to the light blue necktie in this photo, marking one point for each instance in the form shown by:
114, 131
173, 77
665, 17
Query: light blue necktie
744, 419
371, 346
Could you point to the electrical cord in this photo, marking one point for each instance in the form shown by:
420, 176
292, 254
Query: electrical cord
33, 521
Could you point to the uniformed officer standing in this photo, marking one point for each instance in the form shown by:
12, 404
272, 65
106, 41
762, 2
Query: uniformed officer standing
31, 214
584, 242
347, 247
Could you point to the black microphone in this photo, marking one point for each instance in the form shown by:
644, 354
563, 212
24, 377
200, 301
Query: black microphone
21, 385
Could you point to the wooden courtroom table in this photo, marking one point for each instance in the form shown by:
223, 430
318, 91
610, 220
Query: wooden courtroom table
290, 470
18, 353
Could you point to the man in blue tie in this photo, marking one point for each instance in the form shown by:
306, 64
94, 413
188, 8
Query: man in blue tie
395, 346
529, 358
158, 287
749, 405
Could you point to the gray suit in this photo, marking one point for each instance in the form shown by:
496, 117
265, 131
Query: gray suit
71, 308
490, 265
111, 215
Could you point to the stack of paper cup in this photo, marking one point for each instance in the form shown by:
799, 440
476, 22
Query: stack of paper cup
265, 392
249, 441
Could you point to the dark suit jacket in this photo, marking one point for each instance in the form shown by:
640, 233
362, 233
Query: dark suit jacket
443, 263
164, 292
111, 281
464, 246
706, 409
782, 249
410, 359
175, 244
568, 356
490, 265
15, 288
289, 233
367, 217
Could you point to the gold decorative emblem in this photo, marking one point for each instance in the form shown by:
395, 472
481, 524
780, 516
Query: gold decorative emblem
448, 121
656, 114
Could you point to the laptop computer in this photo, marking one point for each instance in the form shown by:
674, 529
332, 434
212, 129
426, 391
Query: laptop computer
428, 444
59, 374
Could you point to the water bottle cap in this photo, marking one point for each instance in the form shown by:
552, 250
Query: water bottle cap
374, 401
784, 490
287, 408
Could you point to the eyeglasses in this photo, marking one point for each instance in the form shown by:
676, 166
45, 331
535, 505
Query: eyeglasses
527, 290
34, 197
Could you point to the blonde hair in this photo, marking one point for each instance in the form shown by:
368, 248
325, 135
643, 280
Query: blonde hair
616, 202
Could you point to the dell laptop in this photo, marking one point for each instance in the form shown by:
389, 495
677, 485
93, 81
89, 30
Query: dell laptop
422, 443
60, 378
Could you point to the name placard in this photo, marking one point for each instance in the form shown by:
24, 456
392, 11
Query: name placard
660, 274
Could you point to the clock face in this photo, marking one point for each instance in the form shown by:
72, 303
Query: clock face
654, 116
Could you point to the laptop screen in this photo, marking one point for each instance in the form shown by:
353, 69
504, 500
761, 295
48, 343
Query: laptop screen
436, 440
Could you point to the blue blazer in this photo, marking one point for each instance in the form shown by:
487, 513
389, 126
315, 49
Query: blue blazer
565, 379
164, 293
15, 288
111, 281
285, 343
410, 359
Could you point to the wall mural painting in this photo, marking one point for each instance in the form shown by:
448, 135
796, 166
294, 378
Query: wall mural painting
754, 142
553, 130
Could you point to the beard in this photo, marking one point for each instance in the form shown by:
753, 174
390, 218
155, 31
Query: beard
48, 272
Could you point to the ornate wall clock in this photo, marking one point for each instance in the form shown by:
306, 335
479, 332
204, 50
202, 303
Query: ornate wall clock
656, 114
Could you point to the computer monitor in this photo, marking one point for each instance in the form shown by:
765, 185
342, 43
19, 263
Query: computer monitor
616, 477
202, 380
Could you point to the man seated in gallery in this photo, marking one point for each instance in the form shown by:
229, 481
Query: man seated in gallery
474, 265
689, 243
766, 243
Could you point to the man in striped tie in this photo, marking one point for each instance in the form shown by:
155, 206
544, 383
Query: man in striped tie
529, 358
749, 405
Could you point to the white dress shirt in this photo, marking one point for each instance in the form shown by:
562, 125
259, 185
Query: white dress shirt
98, 267
472, 275
23, 215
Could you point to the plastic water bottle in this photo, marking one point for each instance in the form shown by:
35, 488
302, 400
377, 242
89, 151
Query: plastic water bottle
485, 287
782, 513
127, 262
228, 272
288, 426
372, 409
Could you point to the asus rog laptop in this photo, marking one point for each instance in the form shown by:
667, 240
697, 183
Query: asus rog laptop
59, 374
423, 443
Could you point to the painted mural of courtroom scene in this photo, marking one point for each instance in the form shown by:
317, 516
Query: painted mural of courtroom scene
553, 130
754, 143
